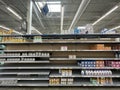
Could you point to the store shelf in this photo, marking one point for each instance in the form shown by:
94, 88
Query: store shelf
61, 51
84, 84
23, 73
80, 42
23, 56
33, 72
7, 78
91, 85
68, 36
38, 85
28, 84
55, 67
40, 72
84, 59
45, 61
83, 76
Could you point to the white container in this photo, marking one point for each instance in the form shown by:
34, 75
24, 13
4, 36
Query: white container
117, 39
64, 48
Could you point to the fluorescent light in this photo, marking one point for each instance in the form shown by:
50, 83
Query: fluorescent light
12, 11
109, 12
17, 32
6, 28
54, 7
57, 2
34, 29
115, 28
62, 18
40, 4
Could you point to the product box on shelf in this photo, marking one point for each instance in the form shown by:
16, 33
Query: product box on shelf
37, 39
54, 81
64, 48
96, 72
66, 72
72, 56
67, 81
107, 48
101, 81
97, 47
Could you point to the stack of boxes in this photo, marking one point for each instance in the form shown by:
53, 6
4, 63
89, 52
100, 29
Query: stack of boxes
66, 81
112, 64
97, 47
87, 63
13, 40
100, 63
100, 47
96, 72
116, 47
91, 63
101, 81
63, 81
66, 72
54, 81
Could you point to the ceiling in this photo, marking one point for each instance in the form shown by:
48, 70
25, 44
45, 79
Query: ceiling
51, 22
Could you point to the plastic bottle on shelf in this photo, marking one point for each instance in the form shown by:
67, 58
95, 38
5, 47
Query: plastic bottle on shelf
82, 72
90, 73
100, 72
116, 55
110, 72
110, 81
97, 73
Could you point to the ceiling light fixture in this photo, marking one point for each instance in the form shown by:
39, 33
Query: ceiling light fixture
13, 12
56, 2
6, 28
105, 15
17, 32
115, 28
62, 18
38, 6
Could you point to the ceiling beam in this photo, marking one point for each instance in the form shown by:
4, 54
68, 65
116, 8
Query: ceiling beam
80, 11
38, 16
29, 16
34, 29
62, 18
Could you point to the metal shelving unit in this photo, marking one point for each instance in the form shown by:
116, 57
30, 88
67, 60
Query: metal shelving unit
40, 71
55, 59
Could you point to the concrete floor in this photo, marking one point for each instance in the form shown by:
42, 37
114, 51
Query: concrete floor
59, 88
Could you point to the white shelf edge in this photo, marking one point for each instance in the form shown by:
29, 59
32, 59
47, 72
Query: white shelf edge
25, 61
59, 67
24, 78
78, 76
85, 59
